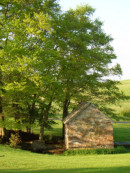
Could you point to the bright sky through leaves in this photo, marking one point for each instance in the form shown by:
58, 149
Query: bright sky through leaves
115, 15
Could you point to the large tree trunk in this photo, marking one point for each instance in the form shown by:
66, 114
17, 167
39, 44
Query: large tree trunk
44, 120
31, 109
65, 113
2, 129
28, 129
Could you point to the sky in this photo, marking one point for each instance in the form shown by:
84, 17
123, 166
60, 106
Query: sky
115, 15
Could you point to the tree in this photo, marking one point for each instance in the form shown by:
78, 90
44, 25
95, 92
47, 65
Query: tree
85, 59
52, 56
28, 54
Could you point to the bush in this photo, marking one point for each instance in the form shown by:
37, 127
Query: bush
119, 149
14, 140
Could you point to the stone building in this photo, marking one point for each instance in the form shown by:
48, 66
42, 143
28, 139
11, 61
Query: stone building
88, 127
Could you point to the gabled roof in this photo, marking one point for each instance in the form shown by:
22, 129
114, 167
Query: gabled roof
76, 111
81, 107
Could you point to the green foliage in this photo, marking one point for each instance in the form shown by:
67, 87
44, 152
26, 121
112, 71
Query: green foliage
56, 129
14, 140
51, 57
116, 150
125, 112
26, 54
85, 61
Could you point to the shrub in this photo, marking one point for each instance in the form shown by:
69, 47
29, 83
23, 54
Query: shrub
15, 140
119, 149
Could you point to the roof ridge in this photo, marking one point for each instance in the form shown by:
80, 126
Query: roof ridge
78, 109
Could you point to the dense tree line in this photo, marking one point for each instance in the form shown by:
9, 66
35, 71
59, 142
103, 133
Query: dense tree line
51, 60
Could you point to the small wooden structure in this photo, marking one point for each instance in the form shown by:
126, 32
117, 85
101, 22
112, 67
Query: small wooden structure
88, 127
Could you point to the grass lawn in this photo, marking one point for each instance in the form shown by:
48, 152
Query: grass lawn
19, 161
121, 132
122, 105
125, 86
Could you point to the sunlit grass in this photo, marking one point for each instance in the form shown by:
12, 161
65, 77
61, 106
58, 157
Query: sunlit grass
121, 132
122, 104
56, 129
19, 161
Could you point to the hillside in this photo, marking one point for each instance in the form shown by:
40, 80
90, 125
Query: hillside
122, 109
125, 86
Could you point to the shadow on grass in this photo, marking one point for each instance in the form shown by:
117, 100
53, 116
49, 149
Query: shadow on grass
122, 134
79, 170
55, 132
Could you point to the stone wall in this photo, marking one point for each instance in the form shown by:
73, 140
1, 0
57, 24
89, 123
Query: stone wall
90, 129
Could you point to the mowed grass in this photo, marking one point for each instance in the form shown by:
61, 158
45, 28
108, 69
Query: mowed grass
55, 131
122, 104
121, 132
125, 86
19, 161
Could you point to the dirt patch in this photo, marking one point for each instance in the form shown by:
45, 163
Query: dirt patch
56, 151
42, 147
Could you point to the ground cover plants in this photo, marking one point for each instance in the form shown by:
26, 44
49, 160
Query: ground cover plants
116, 150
